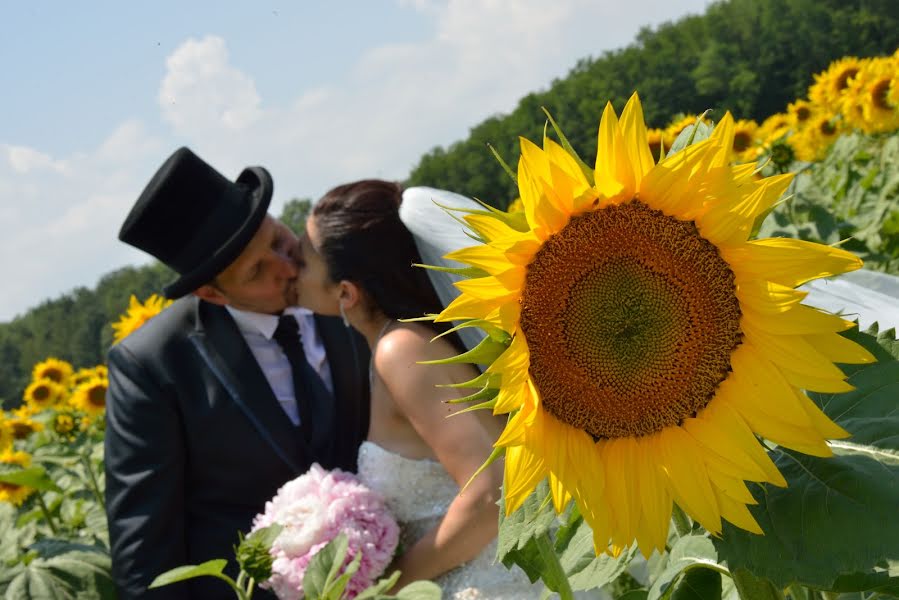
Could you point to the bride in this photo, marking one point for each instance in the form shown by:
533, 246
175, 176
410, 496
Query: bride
357, 261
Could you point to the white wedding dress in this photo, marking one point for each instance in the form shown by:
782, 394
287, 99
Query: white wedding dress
418, 492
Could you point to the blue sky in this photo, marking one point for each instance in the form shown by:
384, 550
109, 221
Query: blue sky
97, 94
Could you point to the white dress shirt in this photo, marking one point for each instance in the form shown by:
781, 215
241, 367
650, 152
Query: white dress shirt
258, 328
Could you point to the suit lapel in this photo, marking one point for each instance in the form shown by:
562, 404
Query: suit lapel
348, 360
222, 346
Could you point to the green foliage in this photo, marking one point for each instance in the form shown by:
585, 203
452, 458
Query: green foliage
253, 552
76, 573
295, 212
751, 57
853, 194
834, 526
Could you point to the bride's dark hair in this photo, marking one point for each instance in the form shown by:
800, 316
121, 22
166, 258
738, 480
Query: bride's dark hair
362, 239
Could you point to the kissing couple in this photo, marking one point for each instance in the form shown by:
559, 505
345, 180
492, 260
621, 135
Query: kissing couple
282, 352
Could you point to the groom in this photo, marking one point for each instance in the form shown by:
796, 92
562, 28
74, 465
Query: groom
209, 408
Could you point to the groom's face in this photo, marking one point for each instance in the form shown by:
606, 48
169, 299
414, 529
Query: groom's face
262, 279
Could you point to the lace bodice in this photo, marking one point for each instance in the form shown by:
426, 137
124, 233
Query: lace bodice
419, 493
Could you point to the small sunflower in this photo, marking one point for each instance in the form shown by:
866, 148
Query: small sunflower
23, 426
90, 396
65, 425
43, 394
52, 369
772, 130
813, 142
830, 84
650, 340
10, 492
744, 146
138, 314
800, 113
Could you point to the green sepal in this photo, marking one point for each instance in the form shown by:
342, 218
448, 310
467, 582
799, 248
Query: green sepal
467, 272
494, 456
484, 379
483, 354
486, 326
503, 163
587, 171
485, 393
488, 405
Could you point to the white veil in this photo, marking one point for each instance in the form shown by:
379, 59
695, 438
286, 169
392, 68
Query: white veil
437, 233
868, 296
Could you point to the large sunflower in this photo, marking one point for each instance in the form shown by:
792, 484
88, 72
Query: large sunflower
52, 369
831, 84
866, 104
43, 394
90, 396
651, 340
137, 314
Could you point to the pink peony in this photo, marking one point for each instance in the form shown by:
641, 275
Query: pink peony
313, 509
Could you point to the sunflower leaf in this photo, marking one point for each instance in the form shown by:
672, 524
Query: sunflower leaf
688, 553
33, 477
533, 518
586, 570
76, 574
691, 134
834, 527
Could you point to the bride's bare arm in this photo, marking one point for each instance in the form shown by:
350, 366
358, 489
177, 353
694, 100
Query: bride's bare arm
460, 442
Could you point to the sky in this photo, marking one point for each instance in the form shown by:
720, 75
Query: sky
97, 95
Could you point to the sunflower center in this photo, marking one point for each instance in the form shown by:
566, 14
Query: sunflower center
827, 128
742, 140
21, 430
843, 80
41, 393
97, 396
879, 95
631, 318
803, 113
53, 375
9, 487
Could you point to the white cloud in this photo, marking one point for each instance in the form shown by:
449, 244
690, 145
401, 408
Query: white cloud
24, 160
201, 90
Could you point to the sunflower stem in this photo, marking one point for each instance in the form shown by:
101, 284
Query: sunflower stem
554, 569
681, 522
47, 515
93, 485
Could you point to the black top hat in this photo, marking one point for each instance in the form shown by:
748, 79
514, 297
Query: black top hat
195, 220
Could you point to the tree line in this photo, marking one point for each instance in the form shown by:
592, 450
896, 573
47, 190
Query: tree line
751, 57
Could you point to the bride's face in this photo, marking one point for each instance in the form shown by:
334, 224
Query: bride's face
315, 290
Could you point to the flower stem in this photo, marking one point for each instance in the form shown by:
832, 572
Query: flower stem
681, 521
95, 487
251, 586
47, 515
554, 569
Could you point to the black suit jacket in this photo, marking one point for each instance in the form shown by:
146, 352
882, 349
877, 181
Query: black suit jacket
196, 442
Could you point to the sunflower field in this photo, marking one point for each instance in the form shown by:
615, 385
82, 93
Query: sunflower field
680, 424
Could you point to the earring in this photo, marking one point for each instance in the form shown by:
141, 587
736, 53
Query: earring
346, 321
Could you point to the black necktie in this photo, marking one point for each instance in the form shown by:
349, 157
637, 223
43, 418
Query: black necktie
314, 402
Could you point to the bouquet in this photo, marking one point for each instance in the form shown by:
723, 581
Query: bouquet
312, 510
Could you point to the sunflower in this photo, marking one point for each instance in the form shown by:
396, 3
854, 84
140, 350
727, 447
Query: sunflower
43, 394
650, 341
52, 369
90, 396
866, 104
800, 113
136, 315
813, 142
23, 426
744, 145
772, 130
14, 493
7, 435
831, 83
65, 425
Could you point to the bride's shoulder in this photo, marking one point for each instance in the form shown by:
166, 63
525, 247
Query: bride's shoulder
408, 343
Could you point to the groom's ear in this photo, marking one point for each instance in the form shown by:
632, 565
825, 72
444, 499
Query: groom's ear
210, 294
